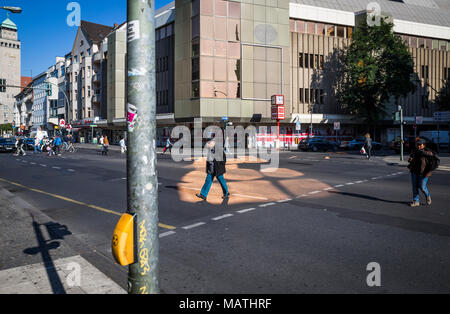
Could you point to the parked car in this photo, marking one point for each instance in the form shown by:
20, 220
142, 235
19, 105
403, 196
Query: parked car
317, 144
29, 143
7, 145
410, 142
358, 143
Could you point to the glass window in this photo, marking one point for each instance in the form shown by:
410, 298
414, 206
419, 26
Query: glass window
195, 5
300, 26
320, 29
195, 69
195, 21
350, 32
340, 31
206, 26
413, 42
312, 99
195, 49
221, 8
163, 32
321, 62
207, 47
220, 28
435, 44
301, 60
169, 30
195, 89
207, 8
292, 26
421, 43
306, 60
234, 70
311, 27
443, 45
428, 43
234, 9
301, 98
234, 30
220, 69
220, 49
311, 61
306, 95
322, 97
331, 30
234, 50
234, 90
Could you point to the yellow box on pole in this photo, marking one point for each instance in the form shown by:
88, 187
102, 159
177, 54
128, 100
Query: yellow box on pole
123, 241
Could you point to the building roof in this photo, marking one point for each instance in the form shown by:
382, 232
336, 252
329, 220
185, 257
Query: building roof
8, 24
165, 15
95, 32
431, 12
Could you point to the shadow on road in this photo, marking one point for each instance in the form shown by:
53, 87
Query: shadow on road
368, 197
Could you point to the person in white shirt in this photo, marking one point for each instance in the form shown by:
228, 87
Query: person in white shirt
123, 146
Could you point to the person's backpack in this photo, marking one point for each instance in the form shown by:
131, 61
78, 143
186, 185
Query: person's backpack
433, 162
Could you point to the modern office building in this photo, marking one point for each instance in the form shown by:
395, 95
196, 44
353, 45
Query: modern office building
10, 62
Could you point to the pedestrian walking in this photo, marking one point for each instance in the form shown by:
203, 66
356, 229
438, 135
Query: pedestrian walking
422, 162
20, 147
123, 145
105, 146
57, 142
368, 146
168, 146
214, 168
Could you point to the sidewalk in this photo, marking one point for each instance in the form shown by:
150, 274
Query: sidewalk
34, 258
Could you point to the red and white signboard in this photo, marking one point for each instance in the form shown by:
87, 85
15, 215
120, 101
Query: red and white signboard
62, 123
278, 108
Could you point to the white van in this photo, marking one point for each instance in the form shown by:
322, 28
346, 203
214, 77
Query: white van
436, 136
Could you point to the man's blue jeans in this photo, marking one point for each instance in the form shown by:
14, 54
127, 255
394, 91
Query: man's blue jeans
419, 183
208, 183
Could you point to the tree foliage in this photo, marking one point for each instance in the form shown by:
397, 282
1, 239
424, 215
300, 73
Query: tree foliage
377, 67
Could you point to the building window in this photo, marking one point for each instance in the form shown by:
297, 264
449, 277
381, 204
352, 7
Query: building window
340, 31
301, 61
424, 72
196, 89
301, 98
311, 61
306, 95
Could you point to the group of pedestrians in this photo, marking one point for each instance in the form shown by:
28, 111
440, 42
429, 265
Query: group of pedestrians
52, 146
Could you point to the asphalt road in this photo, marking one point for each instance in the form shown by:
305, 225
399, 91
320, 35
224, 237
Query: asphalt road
311, 227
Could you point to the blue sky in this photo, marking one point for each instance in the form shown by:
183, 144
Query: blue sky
45, 34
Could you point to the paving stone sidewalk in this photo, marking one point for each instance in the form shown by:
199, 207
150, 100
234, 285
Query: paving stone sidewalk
34, 258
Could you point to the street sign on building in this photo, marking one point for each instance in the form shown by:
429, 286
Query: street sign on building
337, 126
298, 126
62, 123
442, 116
419, 120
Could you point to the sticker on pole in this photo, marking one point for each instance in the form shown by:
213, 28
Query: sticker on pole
131, 117
134, 30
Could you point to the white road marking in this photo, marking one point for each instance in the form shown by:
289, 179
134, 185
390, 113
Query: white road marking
32, 163
70, 170
223, 217
339, 186
267, 205
246, 210
194, 226
285, 201
315, 192
350, 183
57, 168
43, 165
328, 189
168, 233
359, 182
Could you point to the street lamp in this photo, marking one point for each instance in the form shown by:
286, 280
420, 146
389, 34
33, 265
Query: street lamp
12, 9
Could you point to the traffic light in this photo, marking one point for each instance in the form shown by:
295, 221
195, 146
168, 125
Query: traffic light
2, 86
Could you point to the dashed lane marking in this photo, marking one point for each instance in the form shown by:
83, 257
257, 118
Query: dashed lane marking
222, 217
194, 226
246, 210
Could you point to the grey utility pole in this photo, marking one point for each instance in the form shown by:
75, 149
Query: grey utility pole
143, 277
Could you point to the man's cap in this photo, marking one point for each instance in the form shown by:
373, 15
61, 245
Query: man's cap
420, 142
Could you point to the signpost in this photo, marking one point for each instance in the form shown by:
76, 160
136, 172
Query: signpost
278, 113
337, 127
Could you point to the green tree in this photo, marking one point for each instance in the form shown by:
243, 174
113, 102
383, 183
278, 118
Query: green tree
443, 98
377, 68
